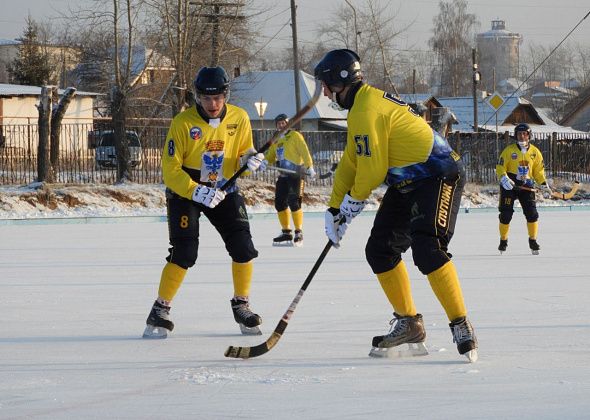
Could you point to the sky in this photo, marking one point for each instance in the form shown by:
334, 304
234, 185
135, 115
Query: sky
76, 297
544, 22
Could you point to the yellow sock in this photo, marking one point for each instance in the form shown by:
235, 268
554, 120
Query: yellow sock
242, 277
170, 281
446, 287
298, 219
504, 231
285, 218
396, 285
532, 228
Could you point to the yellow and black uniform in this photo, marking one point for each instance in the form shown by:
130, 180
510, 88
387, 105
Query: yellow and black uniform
203, 151
524, 167
388, 142
290, 152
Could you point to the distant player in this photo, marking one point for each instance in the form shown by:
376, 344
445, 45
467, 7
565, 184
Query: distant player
387, 139
204, 147
519, 167
290, 152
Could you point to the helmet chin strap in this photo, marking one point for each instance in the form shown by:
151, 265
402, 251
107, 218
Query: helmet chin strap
334, 104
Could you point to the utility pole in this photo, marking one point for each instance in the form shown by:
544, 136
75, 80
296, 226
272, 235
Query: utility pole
215, 17
476, 79
295, 56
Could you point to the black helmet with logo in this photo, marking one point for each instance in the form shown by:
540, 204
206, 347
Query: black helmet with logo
339, 68
211, 81
523, 127
281, 117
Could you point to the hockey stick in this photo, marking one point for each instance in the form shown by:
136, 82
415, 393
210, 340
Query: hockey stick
568, 195
260, 349
294, 120
330, 172
555, 194
287, 171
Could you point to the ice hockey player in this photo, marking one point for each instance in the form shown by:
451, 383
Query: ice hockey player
290, 152
205, 145
388, 140
519, 167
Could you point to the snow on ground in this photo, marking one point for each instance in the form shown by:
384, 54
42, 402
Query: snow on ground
40, 200
75, 298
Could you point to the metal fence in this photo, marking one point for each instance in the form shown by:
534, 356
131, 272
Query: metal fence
566, 156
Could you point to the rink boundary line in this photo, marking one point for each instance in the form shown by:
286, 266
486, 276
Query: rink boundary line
89, 220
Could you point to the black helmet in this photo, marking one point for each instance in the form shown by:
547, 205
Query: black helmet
211, 81
339, 68
523, 127
281, 117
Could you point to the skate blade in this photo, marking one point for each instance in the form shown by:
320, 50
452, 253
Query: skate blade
152, 332
534, 252
284, 243
249, 330
298, 244
413, 350
472, 356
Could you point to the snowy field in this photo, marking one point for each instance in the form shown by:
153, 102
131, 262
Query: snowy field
75, 298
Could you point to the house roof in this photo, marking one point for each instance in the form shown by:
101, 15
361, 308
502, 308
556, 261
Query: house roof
277, 89
7, 90
462, 107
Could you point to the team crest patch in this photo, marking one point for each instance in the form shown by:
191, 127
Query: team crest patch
231, 129
514, 156
196, 133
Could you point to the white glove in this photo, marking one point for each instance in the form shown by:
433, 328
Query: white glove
256, 162
335, 227
310, 173
547, 188
350, 208
506, 182
208, 196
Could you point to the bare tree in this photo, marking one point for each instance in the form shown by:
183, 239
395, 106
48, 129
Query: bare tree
453, 38
373, 27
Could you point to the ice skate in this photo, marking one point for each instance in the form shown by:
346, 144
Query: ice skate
158, 323
407, 330
534, 246
464, 337
503, 245
248, 320
298, 239
284, 239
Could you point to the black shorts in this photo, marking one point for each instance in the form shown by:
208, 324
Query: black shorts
229, 218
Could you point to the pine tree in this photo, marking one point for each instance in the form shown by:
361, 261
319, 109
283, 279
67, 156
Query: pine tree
31, 65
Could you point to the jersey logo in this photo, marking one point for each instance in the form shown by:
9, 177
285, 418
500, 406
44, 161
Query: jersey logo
214, 145
231, 129
211, 165
513, 156
196, 133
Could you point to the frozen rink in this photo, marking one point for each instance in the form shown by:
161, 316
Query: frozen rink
75, 298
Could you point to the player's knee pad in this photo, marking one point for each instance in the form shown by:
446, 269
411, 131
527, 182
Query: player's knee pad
380, 260
427, 254
183, 252
241, 249
294, 203
505, 216
531, 215
279, 207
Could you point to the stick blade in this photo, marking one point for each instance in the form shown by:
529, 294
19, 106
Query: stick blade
236, 352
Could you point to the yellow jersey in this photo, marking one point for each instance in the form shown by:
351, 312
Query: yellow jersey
386, 138
520, 166
290, 152
197, 151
